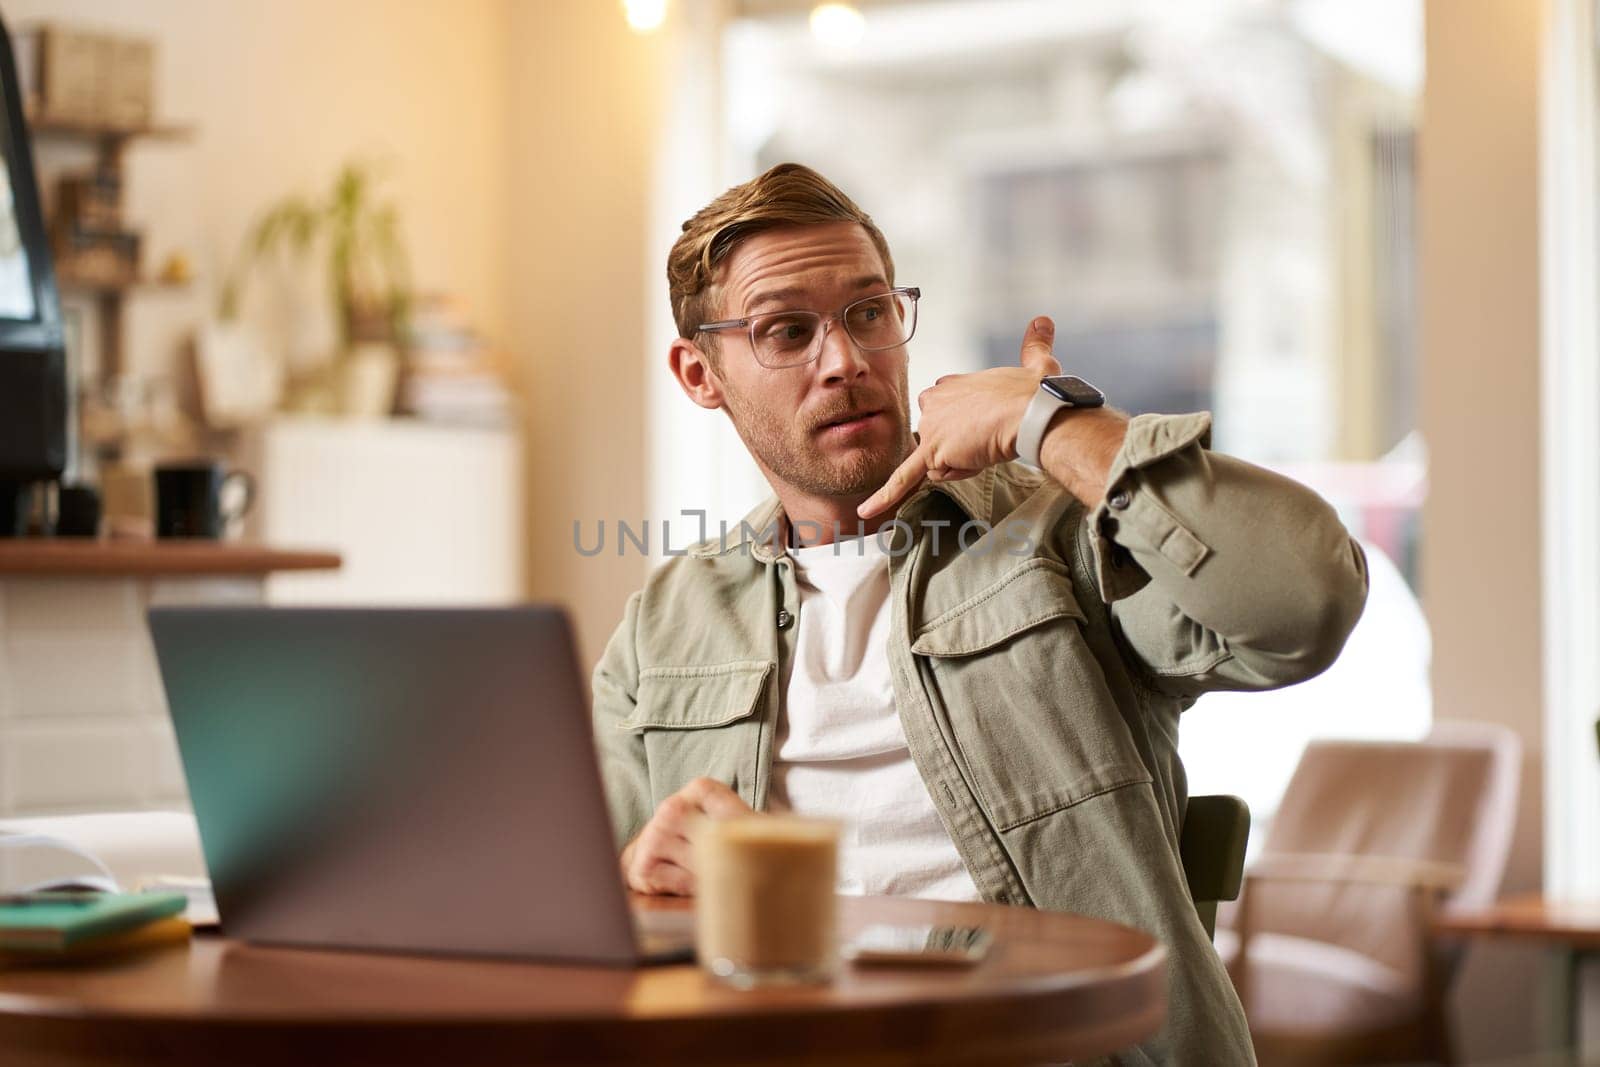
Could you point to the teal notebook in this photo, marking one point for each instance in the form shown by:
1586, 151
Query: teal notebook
58, 920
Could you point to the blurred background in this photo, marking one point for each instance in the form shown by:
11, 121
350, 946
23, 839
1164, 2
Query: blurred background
404, 262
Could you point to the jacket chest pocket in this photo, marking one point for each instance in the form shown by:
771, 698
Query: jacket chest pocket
701, 721
1026, 700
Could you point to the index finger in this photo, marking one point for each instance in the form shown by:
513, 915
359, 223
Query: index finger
905, 478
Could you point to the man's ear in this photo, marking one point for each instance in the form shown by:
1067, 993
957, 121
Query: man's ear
698, 379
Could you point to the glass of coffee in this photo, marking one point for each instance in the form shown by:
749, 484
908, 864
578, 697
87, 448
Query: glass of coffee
765, 905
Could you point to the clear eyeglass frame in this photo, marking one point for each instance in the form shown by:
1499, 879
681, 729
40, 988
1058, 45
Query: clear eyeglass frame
772, 354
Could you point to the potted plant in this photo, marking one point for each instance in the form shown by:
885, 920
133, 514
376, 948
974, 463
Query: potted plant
368, 275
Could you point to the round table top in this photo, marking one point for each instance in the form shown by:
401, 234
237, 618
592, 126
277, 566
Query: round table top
1053, 987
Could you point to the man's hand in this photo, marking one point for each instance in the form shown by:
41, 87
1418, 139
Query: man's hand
659, 860
969, 421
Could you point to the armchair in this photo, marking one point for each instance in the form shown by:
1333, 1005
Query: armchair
1330, 947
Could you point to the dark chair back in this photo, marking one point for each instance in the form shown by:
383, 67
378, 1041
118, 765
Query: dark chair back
1215, 832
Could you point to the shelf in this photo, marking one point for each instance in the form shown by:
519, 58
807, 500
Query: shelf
98, 131
47, 556
90, 287
106, 297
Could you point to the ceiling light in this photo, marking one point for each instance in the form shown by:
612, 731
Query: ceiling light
645, 15
840, 25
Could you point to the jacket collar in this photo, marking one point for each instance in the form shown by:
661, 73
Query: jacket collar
974, 496
764, 532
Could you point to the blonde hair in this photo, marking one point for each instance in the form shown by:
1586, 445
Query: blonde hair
787, 195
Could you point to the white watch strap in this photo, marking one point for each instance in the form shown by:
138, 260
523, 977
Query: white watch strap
1035, 421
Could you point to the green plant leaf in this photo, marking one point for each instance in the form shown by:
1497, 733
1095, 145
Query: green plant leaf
367, 266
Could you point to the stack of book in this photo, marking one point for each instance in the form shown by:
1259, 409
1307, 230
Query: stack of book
77, 74
451, 373
57, 926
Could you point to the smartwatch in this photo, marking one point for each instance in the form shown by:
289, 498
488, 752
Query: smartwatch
1055, 392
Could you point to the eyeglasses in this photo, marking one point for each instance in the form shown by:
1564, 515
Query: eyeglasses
782, 339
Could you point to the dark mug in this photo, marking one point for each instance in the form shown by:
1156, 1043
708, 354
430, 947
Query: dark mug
189, 499
78, 511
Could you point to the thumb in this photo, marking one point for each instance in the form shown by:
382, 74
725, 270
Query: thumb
1036, 353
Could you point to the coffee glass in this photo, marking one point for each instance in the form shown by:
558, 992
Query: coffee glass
765, 906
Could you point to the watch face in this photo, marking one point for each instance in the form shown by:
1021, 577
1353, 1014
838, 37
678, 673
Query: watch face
1074, 390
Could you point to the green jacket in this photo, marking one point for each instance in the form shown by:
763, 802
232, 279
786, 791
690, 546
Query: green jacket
1039, 673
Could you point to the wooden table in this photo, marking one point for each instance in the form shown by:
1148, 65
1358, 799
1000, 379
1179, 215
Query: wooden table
1053, 987
1570, 929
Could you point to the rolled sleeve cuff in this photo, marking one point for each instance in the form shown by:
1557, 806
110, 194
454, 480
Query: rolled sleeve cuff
1132, 517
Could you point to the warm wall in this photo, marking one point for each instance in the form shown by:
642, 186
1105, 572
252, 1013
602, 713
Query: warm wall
584, 98
281, 92
1478, 199
520, 135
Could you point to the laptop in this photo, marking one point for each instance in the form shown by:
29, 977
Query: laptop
414, 780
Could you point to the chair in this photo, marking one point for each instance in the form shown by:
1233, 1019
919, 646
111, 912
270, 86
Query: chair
1212, 844
1331, 949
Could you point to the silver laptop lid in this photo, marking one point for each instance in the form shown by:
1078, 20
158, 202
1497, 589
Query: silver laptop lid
417, 780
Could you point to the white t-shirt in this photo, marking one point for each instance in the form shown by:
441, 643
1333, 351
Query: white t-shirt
841, 752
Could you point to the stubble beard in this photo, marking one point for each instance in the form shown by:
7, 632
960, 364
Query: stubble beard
787, 449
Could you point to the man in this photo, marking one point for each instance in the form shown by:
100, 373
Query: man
978, 665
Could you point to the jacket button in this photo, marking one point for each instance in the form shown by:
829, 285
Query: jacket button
1120, 500
785, 620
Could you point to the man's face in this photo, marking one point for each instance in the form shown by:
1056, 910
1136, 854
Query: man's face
835, 427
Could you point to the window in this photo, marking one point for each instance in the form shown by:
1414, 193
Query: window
1570, 417
1215, 204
